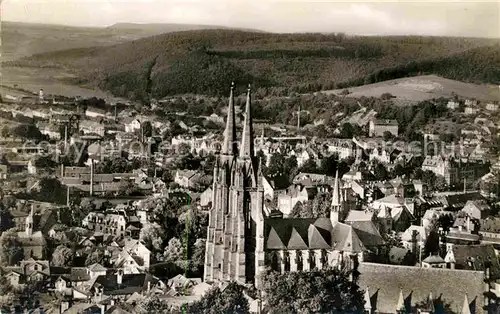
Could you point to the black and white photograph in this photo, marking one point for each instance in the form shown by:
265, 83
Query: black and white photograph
249, 156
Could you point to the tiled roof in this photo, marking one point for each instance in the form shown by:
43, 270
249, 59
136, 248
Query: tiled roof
97, 267
385, 122
474, 257
359, 215
298, 233
345, 239
460, 199
130, 283
462, 235
367, 233
385, 282
433, 259
490, 224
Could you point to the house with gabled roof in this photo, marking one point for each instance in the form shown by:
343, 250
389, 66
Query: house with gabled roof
478, 209
129, 263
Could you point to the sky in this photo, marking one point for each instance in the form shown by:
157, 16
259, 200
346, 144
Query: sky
439, 18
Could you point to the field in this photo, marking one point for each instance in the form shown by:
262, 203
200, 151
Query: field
424, 87
50, 80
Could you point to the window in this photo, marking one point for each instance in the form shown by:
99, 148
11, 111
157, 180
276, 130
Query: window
220, 266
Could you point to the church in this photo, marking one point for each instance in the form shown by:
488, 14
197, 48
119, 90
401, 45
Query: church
242, 240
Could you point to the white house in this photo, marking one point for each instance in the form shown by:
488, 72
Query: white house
471, 110
95, 113
453, 105
491, 107
133, 126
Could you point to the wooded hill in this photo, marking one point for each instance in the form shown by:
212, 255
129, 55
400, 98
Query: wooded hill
206, 61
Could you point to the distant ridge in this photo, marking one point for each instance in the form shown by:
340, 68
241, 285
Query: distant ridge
174, 27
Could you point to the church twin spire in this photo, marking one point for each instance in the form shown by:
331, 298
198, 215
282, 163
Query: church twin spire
229, 147
246, 149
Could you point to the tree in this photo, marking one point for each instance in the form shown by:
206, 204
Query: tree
51, 190
62, 256
153, 305
380, 172
329, 165
175, 252
388, 136
147, 129
275, 167
95, 256
309, 166
28, 131
11, 251
152, 236
198, 255
325, 291
386, 96
183, 149
6, 221
431, 245
6, 132
230, 300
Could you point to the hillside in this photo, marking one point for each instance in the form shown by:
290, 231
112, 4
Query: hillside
420, 88
161, 28
205, 62
25, 39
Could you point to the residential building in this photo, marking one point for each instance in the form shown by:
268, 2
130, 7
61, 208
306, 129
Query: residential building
471, 110
132, 126
187, 178
378, 127
342, 148
95, 113
476, 209
453, 105
473, 257
491, 107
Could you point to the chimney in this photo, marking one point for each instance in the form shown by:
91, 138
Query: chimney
487, 272
468, 223
414, 241
119, 277
67, 197
65, 138
62, 171
91, 177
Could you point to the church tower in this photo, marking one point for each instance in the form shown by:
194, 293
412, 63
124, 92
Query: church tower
336, 210
235, 241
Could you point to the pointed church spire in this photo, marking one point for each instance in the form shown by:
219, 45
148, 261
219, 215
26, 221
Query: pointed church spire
430, 302
400, 306
229, 147
336, 197
246, 149
368, 303
466, 306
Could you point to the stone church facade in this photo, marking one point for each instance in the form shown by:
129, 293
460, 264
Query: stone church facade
242, 241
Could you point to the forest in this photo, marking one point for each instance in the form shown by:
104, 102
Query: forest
206, 61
